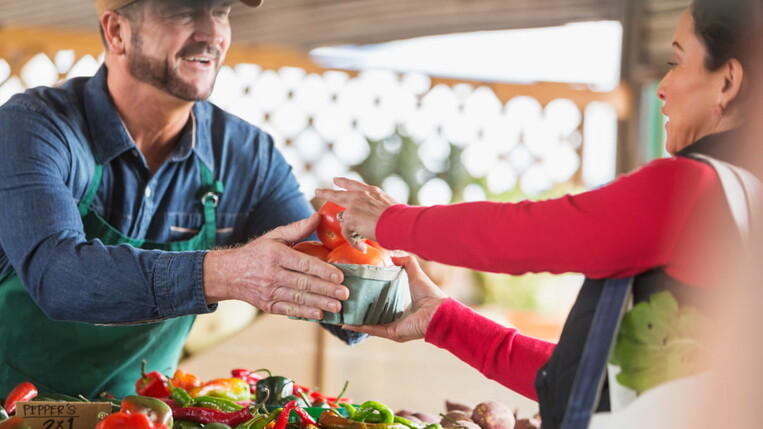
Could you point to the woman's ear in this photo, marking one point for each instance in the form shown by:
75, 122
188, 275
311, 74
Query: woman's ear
733, 76
114, 29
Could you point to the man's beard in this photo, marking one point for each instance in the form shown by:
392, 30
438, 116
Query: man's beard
160, 75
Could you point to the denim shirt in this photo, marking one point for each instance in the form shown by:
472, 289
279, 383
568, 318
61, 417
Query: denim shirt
46, 166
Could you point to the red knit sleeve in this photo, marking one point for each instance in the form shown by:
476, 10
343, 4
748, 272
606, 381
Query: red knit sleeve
618, 230
500, 353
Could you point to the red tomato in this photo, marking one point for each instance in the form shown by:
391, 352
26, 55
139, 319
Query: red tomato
385, 253
346, 254
313, 248
330, 230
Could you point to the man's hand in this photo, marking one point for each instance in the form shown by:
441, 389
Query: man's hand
273, 277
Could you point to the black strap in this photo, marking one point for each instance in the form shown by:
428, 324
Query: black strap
593, 363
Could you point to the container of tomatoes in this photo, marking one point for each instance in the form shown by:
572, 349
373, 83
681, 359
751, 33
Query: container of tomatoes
378, 288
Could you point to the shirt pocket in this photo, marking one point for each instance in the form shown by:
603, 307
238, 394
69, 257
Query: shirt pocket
184, 226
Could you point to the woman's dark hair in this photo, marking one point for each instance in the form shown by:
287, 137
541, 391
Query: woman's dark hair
728, 29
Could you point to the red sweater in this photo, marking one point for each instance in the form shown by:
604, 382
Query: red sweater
643, 220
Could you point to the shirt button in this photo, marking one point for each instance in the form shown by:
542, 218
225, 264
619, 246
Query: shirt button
148, 192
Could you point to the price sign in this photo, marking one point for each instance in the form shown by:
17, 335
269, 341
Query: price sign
63, 415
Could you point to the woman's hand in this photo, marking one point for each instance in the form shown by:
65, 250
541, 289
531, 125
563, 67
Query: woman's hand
426, 299
364, 205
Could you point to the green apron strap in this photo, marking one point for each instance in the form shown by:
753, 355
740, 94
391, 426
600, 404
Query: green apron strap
84, 204
210, 196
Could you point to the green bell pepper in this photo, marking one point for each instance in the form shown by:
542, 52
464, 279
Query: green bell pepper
277, 389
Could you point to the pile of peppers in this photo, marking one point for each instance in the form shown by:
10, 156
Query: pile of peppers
247, 400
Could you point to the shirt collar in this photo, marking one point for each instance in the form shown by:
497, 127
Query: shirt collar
110, 137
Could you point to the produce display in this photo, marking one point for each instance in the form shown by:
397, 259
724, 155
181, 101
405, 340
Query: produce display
256, 400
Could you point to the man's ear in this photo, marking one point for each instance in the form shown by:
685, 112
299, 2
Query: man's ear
115, 28
733, 76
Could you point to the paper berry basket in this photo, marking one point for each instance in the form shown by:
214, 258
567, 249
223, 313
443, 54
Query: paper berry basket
378, 295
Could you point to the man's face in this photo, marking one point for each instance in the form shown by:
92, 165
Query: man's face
178, 46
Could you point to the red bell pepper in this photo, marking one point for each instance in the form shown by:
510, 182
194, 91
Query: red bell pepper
23, 391
153, 384
123, 420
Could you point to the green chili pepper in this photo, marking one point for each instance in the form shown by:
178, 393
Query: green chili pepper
216, 426
260, 421
180, 396
219, 404
366, 409
433, 426
350, 409
3, 414
374, 418
407, 422
186, 424
329, 419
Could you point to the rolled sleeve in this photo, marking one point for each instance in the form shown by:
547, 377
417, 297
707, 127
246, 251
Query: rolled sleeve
178, 284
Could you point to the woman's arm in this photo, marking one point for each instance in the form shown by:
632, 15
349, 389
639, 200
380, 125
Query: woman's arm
499, 353
621, 229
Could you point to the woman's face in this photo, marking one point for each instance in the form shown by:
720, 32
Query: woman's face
689, 91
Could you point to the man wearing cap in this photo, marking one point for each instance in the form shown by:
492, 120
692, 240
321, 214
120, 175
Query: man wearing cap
113, 190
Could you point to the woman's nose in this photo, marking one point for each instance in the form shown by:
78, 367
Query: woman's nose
661, 89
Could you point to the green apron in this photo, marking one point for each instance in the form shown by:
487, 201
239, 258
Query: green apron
81, 358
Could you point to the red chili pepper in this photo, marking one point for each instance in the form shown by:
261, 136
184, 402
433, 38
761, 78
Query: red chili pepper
251, 377
122, 420
23, 391
305, 417
283, 418
153, 384
208, 415
299, 388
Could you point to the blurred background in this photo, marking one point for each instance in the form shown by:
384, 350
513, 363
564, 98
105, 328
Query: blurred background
435, 101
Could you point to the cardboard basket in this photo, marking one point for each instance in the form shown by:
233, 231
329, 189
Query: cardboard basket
378, 295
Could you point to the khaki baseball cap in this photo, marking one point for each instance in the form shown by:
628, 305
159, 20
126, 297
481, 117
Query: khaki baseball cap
104, 5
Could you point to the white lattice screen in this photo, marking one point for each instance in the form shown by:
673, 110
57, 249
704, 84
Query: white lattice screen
422, 143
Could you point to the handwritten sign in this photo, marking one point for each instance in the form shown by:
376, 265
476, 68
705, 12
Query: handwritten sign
63, 415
